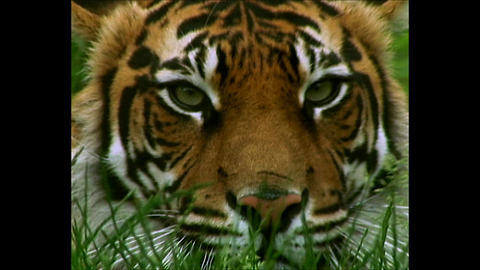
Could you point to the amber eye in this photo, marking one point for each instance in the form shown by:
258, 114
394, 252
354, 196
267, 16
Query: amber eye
187, 97
321, 92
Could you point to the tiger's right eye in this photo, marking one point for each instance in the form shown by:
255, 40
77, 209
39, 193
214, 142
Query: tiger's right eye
319, 91
187, 97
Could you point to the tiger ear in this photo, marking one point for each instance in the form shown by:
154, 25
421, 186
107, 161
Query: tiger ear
84, 22
87, 14
397, 13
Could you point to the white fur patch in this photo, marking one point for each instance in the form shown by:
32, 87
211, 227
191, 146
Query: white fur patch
117, 157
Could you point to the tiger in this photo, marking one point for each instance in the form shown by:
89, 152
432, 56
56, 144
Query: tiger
272, 116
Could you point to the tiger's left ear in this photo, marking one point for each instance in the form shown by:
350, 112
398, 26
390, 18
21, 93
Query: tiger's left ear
84, 22
397, 13
87, 15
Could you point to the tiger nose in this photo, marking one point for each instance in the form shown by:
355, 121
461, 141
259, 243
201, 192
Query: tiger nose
270, 210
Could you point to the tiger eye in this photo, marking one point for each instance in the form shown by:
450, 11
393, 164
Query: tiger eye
319, 91
189, 96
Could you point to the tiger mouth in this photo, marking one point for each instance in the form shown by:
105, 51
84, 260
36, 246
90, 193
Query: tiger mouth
267, 242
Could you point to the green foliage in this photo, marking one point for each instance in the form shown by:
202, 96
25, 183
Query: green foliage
119, 251
400, 59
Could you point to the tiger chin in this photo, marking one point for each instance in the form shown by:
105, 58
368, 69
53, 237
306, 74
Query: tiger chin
273, 116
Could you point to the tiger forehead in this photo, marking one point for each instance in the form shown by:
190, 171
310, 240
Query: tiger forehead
270, 23
228, 15
249, 37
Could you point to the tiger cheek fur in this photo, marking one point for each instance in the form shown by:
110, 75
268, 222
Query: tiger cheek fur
284, 109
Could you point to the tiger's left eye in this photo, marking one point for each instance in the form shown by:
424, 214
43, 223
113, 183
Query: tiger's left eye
187, 97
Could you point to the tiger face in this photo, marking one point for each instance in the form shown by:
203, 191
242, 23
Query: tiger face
280, 110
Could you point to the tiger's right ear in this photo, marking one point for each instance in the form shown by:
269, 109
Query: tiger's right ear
84, 22
397, 12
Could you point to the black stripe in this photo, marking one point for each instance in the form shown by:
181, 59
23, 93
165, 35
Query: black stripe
174, 64
309, 39
176, 184
222, 68
328, 209
206, 212
147, 128
324, 228
274, 3
114, 188
205, 229
106, 84
163, 142
328, 60
326, 8
298, 20
249, 22
142, 57
349, 51
259, 12
124, 114
158, 14
133, 174
233, 18
200, 61
142, 158
195, 23
276, 36
180, 157
358, 122
288, 16
215, 38
365, 82
294, 61
311, 58
160, 162
153, 3
359, 153
268, 25
217, 6
282, 65
142, 37
196, 43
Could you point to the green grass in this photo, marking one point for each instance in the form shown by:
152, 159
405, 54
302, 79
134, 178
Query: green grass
400, 59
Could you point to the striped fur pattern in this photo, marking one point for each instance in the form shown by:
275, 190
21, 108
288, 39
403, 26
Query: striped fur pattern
253, 65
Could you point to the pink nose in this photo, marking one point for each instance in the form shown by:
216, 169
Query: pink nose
270, 210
